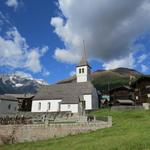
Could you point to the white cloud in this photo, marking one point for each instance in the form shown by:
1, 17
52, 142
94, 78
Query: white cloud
12, 3
109, 28
142, 58
33, 61
3, 20
144, 68
127, 62
45, 72
16, 53
69, 57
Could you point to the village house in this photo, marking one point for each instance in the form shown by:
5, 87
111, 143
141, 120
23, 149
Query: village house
122, 95
8, 104
24, 101
142, 90
75, 97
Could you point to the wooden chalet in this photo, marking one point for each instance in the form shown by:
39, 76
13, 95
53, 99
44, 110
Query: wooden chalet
142, 90
122, 95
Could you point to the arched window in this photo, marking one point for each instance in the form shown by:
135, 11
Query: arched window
82, 70
49, 106
9, 106
69, 106
79, 70
15, 108
39, 106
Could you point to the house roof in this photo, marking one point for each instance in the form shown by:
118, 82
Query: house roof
69, 92
21, 96
124, 87
142, 78
8, 98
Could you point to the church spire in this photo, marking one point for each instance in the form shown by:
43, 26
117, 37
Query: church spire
83, 69
83, 61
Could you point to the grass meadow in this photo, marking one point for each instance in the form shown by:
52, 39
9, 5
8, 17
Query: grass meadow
130, 131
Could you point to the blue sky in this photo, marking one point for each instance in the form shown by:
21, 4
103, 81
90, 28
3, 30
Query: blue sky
44, 38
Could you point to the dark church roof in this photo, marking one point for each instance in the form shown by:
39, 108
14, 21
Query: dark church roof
69, 92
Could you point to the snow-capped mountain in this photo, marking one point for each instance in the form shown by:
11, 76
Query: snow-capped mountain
12, 83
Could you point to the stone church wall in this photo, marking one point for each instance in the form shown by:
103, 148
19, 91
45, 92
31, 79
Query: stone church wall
34, 132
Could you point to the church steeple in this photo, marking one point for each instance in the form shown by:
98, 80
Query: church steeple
83, 68
83, 61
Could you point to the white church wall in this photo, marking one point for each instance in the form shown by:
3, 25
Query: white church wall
88, 101
83, 76
7, 106
69, 107
54, 105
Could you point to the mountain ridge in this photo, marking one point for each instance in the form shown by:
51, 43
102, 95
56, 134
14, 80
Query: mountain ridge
112, 78
16, 84
103, 80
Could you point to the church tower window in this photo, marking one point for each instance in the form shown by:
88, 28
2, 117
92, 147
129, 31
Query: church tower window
82, 70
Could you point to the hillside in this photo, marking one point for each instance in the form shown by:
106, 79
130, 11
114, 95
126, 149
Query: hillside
107, 79
11, 83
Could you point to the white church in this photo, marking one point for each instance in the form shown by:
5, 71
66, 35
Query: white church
75, 97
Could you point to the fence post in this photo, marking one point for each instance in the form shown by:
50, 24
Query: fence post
110, 121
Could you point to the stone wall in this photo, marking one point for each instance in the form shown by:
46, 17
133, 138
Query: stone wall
34, 132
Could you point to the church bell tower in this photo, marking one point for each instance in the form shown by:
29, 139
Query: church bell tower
83, 69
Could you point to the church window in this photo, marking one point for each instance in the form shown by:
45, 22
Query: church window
15, 108
49, 105
9, 106
82, 70
79, 70
69, 106
39, 106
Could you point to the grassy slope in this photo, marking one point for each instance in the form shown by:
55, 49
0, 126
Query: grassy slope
130, 131
102, 83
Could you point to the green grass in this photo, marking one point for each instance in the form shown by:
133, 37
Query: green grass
130, 131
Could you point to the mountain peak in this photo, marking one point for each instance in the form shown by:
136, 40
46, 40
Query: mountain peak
14, 83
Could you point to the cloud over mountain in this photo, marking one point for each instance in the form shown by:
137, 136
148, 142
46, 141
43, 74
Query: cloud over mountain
109, 28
